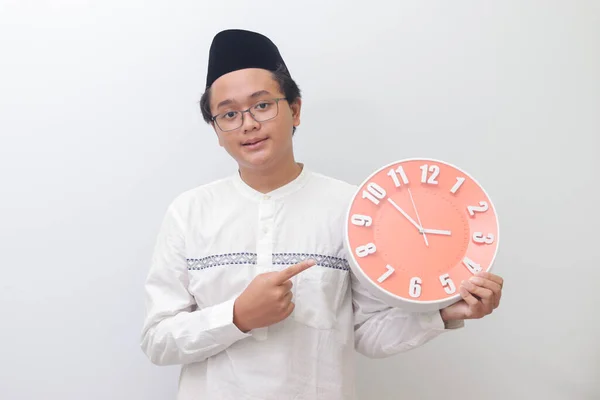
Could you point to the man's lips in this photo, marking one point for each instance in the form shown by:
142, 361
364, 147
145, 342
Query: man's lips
253, 142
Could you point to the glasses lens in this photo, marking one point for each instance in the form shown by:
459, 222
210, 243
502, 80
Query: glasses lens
265, 110
230, 120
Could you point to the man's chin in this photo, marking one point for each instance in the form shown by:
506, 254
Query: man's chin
257, 162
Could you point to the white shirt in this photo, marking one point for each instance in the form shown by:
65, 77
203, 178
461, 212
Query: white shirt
214, 240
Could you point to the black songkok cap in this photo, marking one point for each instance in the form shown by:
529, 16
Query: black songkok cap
236, 49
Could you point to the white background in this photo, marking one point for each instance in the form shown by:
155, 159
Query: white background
100, 130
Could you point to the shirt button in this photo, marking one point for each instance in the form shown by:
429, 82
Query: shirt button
265, 229
267, 197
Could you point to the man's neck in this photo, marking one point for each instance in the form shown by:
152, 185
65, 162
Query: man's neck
265, 181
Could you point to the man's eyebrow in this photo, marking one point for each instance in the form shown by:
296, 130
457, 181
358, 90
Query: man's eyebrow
259, 93
252, 96
224, 103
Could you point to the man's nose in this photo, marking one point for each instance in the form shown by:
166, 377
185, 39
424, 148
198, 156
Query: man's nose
249, 123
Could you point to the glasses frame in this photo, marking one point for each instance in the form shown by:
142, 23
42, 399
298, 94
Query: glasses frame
276, 99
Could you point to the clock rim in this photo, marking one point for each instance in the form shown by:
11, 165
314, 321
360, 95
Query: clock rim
385, 295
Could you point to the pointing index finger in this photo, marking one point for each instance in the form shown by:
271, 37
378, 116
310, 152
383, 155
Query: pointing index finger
294, 270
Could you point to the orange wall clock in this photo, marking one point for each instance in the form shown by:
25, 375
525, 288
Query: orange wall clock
416, 228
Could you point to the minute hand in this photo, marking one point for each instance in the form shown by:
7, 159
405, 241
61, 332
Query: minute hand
412, 221
437, 232
418, 219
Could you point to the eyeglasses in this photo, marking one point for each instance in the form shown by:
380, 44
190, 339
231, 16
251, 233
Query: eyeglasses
262, 111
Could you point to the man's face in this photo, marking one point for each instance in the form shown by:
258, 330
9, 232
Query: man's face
255, 145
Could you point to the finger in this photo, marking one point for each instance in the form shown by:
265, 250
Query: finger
491, 277
286, 299
281, 293
468, 297
486, 283
287, 285
489, 284
293, 270
290, 309
486, 295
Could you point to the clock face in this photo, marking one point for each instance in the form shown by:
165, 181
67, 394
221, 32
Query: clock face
416, 229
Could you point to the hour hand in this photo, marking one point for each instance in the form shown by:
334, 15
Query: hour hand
412, 221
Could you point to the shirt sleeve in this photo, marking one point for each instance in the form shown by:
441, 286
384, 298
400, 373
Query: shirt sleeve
175, 331
381, 330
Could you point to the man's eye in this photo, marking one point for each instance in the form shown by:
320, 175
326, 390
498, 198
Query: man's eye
230, 115
262, 106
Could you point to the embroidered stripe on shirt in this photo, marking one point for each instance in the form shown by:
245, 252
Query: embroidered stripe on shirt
278, 259
322, 260
222, 259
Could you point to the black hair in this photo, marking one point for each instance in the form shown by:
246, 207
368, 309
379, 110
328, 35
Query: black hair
286, 84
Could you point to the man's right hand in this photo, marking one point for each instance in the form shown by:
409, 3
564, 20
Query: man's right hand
267, 299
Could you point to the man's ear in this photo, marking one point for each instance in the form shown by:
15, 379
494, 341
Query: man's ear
296, 107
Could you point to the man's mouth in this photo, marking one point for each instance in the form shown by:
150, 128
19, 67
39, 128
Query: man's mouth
254, 142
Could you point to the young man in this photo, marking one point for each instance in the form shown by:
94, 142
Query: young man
250, 289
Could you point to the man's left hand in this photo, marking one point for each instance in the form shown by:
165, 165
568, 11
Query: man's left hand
480, 296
